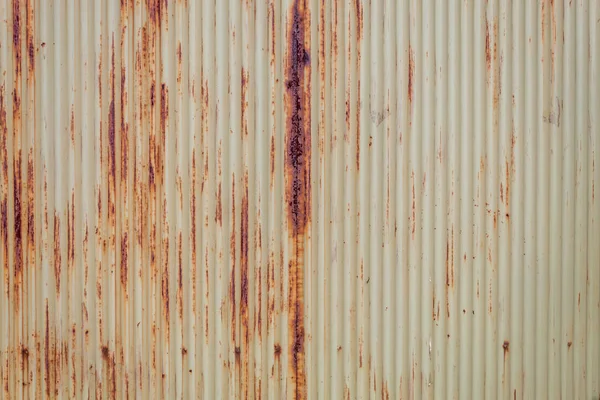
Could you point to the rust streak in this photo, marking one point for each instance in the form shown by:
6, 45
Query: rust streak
244, 306
297, 178
411, 72
57, 255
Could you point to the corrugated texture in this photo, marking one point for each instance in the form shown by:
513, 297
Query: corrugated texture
299, 199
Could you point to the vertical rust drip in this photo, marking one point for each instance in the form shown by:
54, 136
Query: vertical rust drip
297, 179
244, 306
18, 249
57, 255
4, 190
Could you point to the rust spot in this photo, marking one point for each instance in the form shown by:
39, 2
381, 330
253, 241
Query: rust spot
569, 344
505, 347
277, 349
105, 353
411, 72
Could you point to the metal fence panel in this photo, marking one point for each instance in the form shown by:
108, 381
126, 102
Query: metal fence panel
299, 199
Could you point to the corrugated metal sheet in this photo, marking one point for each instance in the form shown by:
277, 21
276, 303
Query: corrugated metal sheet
299, 199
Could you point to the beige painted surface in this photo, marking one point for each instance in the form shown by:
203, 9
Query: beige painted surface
299, 199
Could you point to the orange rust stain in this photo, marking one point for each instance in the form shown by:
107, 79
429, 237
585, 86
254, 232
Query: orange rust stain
385, 393
271, 290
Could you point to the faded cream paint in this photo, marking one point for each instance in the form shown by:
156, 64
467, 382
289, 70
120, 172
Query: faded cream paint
299, 199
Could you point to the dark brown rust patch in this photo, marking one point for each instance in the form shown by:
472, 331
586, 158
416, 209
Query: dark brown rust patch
297, 172
569, 344
505, 347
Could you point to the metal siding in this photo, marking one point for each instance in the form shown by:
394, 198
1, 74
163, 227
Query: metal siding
299, 199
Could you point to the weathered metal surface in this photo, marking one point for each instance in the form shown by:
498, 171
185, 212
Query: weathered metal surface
299, 199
